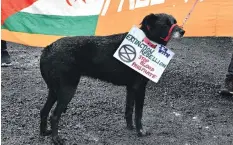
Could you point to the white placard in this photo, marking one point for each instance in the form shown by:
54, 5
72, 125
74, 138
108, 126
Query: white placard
144, 56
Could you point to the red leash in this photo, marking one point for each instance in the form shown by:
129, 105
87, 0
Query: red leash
188, 15
170, 30
186, 18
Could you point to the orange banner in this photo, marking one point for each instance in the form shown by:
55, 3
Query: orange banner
209, 17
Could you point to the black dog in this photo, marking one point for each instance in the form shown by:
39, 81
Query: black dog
63, 62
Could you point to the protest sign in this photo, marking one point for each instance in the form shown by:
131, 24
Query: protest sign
143, 55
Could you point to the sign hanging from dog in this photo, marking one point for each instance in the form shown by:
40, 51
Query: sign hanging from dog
144, 56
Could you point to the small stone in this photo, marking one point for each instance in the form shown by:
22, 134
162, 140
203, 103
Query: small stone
195, 117
199, 127
207, 127
76, 126
176, 113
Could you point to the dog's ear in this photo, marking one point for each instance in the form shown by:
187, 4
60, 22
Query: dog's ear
169, 22
149, 20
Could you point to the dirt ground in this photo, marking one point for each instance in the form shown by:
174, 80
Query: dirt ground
182, 109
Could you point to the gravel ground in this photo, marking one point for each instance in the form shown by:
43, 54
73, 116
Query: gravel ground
182, 109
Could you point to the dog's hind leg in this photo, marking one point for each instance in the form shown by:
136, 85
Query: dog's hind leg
65, 94
51, 99
129, 108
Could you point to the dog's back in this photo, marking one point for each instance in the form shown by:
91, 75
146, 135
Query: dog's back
85, 55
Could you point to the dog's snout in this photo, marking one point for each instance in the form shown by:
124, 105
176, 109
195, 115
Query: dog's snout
179, 29
182, 32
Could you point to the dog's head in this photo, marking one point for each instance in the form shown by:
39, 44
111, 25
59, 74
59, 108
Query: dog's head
161, 28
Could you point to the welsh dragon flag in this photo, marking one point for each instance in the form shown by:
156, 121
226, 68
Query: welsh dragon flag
40, 22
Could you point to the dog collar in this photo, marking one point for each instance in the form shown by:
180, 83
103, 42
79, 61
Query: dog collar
169, 33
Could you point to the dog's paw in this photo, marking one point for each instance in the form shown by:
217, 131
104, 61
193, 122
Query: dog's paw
46, 133
130, 127
142, 133
58, 141
65, 110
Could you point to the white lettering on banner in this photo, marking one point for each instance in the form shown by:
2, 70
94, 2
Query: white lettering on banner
120, 6
106, 6
132, 4
188, 0
156, 2
142, 3
143, 55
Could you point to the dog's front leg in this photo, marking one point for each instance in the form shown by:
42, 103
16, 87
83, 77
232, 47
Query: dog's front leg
137, 90
129, 107
139, 103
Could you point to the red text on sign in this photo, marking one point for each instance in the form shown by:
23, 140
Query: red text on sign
144, 63
143, 70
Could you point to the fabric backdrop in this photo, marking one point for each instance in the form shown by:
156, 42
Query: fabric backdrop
40, 22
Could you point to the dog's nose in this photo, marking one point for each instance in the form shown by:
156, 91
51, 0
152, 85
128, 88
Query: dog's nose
182, 32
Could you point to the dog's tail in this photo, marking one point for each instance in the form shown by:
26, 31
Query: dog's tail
43, 61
